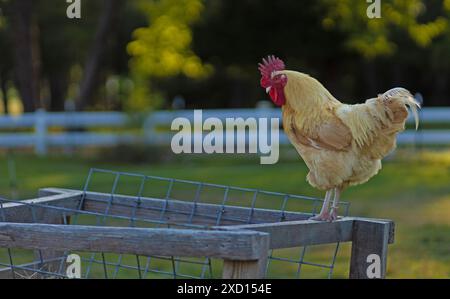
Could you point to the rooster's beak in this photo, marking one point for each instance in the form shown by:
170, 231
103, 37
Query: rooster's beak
268, 89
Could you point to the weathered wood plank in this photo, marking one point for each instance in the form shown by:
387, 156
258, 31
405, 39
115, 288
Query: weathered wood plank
23, 212
205, 214
369, 249
308, 232
242, 245
389, 222
180, 212
177, 211
302, 233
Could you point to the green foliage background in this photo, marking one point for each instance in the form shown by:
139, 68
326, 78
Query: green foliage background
207, 50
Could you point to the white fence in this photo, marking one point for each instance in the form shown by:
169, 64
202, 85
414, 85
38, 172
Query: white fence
42, 130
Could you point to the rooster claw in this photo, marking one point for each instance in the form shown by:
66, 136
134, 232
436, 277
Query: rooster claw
333, 214
326, 216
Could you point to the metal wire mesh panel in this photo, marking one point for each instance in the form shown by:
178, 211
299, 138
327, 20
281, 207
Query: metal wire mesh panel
120, 199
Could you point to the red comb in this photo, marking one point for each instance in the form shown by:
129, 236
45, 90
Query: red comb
270, 65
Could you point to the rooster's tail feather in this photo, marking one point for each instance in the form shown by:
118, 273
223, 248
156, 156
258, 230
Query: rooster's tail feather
407, 98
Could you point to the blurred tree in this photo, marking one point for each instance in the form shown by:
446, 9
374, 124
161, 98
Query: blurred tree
25, 42
63, 46
234, 35
162, 49
91, 70
354, 56
372, 37
62, 42
439, 63
141, 54
406, 30
5, 61
74, 52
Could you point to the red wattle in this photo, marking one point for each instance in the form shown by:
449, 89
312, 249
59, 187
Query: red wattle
277, 96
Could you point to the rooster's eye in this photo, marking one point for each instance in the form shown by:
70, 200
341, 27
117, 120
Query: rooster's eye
283, 79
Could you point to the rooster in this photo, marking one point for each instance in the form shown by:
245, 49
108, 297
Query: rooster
341, 144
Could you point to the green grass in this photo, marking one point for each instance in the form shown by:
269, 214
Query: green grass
413, 189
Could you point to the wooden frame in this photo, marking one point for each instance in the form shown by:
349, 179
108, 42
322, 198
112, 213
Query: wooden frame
243, 247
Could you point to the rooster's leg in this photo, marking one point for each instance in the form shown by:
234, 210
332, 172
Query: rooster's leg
324, 213
334, 207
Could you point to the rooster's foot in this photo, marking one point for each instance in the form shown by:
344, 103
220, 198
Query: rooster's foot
324, 216
333, 214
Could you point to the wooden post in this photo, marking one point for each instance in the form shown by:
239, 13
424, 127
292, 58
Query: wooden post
52, 259
251, 269
48, 255
369, 249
